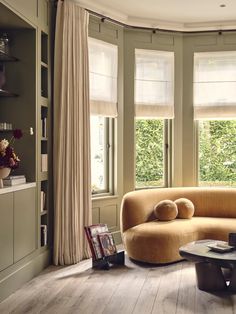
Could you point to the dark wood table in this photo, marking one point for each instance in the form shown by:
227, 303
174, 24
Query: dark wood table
215, 271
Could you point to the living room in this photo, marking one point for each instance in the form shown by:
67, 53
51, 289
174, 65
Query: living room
115, 98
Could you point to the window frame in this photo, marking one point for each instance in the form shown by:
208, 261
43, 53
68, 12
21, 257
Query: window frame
196, 126
110, 134
109, 160
197, 145
167, 144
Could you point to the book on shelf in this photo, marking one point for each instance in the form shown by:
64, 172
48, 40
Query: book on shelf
44, 162
100, 241
14, 180
42, 201
44, 236
44, 127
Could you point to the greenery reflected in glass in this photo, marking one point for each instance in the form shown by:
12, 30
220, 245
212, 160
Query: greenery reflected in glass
217, 153
149, 152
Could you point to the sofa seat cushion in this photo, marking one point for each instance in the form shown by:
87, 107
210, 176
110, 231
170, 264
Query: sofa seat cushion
159, 241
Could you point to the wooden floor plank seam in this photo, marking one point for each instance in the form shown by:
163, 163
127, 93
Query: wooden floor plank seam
133, 289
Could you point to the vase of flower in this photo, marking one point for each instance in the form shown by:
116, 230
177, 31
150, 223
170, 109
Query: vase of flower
8, 158
4, 172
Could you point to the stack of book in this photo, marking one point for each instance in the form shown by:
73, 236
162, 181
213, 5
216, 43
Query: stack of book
14, 180
100, 240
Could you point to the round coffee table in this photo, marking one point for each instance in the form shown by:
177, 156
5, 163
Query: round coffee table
215, 271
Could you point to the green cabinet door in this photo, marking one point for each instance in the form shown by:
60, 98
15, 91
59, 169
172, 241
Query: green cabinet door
6, 230
25, 230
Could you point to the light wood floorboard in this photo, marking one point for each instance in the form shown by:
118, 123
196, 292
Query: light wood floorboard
132, 289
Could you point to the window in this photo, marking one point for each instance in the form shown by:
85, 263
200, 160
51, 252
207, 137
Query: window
101, 153
154, 104
150, 158
217, 153
103, 103
215, 111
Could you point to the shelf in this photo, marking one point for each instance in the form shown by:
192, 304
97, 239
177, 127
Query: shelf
5, 93
6, 58
18, 187
43, 213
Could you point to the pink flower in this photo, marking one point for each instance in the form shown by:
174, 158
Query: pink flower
8, 158
3, 145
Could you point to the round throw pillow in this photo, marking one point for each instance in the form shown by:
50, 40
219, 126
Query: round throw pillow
165, 210
185, 208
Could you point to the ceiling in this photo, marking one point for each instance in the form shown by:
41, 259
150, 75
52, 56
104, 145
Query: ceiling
182, 15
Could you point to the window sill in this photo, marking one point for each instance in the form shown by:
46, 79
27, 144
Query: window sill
104, 197
150, 187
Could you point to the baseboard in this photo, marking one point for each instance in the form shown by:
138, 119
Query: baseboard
26, 272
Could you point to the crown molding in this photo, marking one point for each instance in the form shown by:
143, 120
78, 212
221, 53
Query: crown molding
137, 21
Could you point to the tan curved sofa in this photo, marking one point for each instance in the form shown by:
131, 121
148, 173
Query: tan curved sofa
149, 240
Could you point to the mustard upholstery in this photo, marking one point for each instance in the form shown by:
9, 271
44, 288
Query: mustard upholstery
165, 210
148, 240
185, 208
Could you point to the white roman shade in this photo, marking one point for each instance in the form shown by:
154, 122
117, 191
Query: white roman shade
154, 84
215, 85
103, 78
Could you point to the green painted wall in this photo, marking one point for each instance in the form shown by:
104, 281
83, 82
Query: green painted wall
183, 150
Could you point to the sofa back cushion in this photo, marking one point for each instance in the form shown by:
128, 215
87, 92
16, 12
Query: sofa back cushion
137, 207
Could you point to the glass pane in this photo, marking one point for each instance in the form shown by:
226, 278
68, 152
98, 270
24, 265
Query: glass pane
98, 151
217, 153
214, 93
103, 60
149, 152
154, 76
151, 92
103, 88
217, 66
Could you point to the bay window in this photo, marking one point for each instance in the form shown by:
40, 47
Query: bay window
154, 107
215, 113
103, 60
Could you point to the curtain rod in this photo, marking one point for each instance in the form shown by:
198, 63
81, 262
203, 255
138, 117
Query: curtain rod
153, 29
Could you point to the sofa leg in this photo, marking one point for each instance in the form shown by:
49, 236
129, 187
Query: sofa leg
210, 277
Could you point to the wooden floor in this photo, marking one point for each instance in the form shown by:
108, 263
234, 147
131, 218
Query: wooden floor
129, 289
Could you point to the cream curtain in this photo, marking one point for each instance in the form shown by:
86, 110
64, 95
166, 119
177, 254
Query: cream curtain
215, 85
72, 186
154, 84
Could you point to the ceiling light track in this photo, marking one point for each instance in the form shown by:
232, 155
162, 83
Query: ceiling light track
153, 30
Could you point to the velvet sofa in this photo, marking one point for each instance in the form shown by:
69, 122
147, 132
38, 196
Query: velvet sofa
148, 240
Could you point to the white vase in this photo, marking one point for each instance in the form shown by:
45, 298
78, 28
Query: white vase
4, 172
